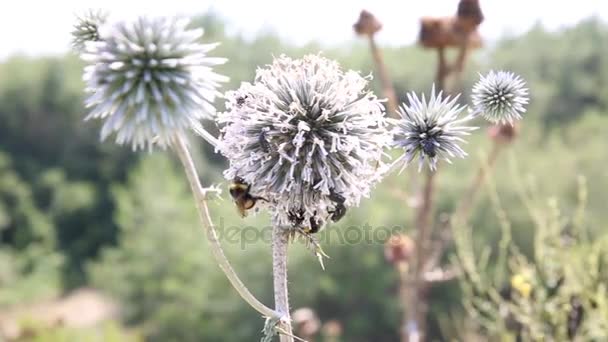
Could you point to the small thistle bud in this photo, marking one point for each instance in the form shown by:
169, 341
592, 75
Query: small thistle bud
306, 322
367, 24
500, 97
399, 248
332, 330
504, 133
307, 137
430, 130
86, 28
150, 80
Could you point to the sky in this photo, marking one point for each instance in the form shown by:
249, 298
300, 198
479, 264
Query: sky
42, 27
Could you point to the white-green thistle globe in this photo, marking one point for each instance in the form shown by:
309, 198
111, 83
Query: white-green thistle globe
306, 136
500, 97
150, 80
430, 130
86, 28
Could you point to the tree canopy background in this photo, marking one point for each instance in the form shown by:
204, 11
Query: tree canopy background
76, 212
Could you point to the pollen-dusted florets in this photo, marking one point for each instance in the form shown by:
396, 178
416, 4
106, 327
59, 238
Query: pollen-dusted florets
305, 135
150, 80
500, 97
430, 130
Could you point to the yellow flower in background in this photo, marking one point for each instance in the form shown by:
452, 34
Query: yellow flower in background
521, 285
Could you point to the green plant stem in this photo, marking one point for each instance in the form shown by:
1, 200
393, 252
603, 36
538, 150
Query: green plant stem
200, 197
280, 243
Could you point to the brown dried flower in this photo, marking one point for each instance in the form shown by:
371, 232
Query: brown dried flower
447, 32
367, 24
469, 14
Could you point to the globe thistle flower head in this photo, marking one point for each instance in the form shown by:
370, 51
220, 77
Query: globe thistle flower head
150, 80
306, 136
430, 130
87, 27
500, 97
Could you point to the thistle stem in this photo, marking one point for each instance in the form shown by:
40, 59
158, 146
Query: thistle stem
464, 207
280, 242
387, 86
200, 197
424, 226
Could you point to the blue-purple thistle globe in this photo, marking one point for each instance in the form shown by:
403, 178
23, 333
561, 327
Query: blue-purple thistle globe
150, 80
306, 136
430, 130
87, 27
500, 97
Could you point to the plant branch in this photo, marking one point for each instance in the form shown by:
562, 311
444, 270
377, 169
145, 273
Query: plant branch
200, 197
387, 86
464, 205
442, 69
280, 243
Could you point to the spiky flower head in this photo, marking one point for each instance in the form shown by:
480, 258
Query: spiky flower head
430, 130
150, 80
87, 27
500, 97
306, 136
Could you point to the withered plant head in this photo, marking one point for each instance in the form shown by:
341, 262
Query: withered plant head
446, 32
469, 14
367, 25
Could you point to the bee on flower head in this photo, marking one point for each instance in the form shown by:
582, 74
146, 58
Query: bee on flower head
339, 208
241, 100
297, 219
240, 192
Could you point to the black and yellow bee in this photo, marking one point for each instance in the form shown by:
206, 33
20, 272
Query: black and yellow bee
339, 208
239, 190
241, 100
313, 225
297, 220
429, 147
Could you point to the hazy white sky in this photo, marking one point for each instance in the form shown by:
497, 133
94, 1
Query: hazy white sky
43, 26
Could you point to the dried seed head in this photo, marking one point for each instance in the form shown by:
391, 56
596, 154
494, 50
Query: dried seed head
469, 14
367, 24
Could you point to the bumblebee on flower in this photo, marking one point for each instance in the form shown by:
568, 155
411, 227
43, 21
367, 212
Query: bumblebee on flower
307, 136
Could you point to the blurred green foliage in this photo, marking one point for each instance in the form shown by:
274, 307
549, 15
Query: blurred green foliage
77, 212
